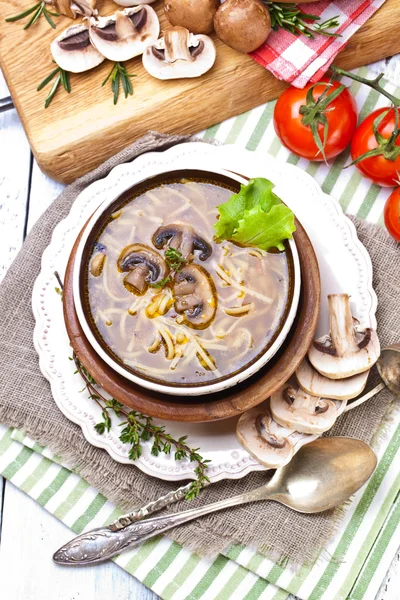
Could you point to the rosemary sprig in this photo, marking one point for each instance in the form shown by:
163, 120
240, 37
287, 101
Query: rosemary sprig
62, 77
119, 74
291, 18
138, 428
38, 10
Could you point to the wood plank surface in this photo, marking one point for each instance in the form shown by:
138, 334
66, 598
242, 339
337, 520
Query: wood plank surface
30, 537
79, 131
30, 533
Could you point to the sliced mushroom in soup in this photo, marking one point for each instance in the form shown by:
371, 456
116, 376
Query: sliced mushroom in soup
171, 304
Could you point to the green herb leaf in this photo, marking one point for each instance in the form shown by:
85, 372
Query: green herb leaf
258, 192
119, 75
290, 17
23, 14
255, 217
38, 9
174, 259
139, 427
161, 283
265, 230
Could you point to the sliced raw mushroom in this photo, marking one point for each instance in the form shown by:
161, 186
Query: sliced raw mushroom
97, 264
74, 8
144, 267
182, 237
179, 54
126, 33
348, 349
270, 444
195, 296
295, 409
316, 384
73, 51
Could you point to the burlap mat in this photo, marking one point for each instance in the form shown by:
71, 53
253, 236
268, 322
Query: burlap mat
26, 401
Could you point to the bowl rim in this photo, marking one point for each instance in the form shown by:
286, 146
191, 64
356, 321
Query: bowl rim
180, 389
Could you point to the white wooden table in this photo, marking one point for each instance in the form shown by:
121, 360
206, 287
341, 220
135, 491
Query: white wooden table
28, 534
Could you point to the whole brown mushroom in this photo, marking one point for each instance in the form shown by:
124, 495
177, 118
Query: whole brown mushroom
195, 15
242, 24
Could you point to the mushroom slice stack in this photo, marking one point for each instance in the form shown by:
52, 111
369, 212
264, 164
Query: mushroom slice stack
73, 51
349, 349
295, 409
182, 237
316, 384
179, 54
126, 33
195, 296
74, 8
268, 442
144, 267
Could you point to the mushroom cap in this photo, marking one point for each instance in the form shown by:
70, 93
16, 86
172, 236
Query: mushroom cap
242, 24
126, 33
263, 438
295, 409
339, 367
182, 237
143, 265
316, 384
195, 296
196, 15
73, 51
348, 349
179, 54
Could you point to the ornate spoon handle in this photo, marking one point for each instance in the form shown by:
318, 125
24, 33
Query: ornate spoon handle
100, 544
150, 508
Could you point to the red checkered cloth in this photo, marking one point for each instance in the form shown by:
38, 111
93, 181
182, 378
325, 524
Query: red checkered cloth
298, 59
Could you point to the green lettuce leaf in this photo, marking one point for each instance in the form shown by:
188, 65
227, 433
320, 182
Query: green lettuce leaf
255, 217
265, 230
258, 192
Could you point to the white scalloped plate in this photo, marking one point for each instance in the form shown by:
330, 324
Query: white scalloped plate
344, 263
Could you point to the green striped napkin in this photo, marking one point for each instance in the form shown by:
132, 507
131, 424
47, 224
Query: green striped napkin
354, 562
352, 565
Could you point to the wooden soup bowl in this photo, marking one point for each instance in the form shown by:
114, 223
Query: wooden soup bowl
231, 401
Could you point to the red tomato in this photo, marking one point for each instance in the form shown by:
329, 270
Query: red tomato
392, 214
341, 115
378, 168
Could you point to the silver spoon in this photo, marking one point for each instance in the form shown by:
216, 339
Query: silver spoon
320, 476
388, 366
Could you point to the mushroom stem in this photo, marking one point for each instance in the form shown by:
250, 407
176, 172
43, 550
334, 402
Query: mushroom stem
341, 324
366, 397
176, 41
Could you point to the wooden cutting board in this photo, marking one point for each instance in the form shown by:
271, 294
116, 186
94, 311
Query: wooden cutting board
80, 130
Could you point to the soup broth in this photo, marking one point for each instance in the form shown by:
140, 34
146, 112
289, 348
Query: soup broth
203, 321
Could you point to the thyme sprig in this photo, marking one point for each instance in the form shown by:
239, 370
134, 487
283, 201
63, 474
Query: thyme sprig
119, 74
37, 10
174, 259
138, 428
294, 20
62, 77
